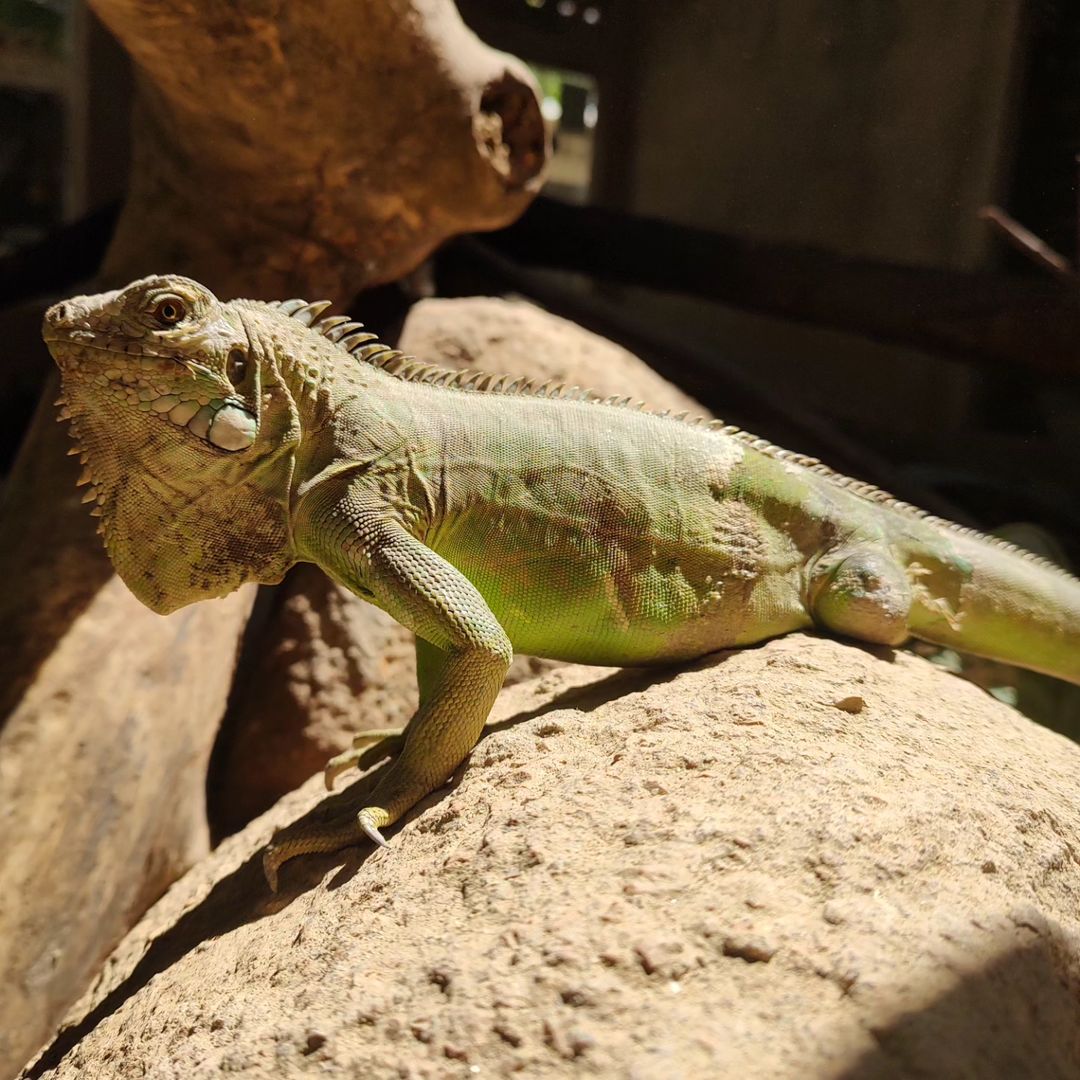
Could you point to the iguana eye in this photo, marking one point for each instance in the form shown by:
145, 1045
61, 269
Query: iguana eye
236, 366
169, 311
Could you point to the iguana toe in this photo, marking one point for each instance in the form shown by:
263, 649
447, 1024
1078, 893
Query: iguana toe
368, 747
323, 838
316, 840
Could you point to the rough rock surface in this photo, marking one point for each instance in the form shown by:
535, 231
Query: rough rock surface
801, 860
325, 664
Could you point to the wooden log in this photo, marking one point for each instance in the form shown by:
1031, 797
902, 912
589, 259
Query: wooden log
333, 148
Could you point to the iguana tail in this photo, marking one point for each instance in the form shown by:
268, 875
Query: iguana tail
996, 601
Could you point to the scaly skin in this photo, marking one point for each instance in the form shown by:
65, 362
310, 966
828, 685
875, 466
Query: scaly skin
226, 441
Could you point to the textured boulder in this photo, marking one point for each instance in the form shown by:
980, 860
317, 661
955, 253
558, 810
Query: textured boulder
805, 860
325, 664
331, 146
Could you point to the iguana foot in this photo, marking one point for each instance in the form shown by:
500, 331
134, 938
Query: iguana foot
324, 838
368, 747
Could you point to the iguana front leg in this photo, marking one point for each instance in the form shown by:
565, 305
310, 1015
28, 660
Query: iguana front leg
379, 560
373, 744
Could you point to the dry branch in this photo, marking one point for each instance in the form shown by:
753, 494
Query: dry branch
984, 318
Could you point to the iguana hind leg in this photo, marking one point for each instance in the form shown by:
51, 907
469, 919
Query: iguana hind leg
864, 593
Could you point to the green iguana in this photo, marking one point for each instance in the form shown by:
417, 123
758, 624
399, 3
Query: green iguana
224, 442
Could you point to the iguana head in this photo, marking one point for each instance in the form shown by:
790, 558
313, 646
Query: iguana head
187, 430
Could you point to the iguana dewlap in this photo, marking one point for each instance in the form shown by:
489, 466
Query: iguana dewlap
226, 441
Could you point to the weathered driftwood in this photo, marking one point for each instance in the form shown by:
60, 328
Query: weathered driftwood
331, 147
309, 152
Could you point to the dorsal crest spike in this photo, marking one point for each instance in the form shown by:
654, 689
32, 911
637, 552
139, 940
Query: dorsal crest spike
336, 333
329, 322
308, 313
354, 340
395, 362
368, 353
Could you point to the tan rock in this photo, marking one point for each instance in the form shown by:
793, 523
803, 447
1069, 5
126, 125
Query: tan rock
717, 874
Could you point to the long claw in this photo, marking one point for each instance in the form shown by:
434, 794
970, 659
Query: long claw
369, 829
270, 870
